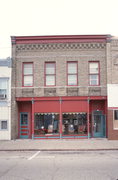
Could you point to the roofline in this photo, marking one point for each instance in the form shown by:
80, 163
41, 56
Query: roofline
59, 39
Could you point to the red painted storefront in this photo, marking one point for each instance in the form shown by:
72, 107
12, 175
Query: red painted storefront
68, 112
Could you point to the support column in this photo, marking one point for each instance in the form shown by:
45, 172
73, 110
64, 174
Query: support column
88, 121
32, 119
106, 119
60, 117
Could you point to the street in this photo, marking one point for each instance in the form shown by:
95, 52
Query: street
53, 165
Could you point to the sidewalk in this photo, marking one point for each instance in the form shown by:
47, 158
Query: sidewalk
59, 145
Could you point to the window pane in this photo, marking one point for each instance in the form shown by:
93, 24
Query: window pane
72, 68
24, 119
3, 124
94, 80
116, 115
3, 83
3, 91
72, 80
46, 123
93, 77
50, 80
28, 69
74, 123
50, 68
28, 81
93, 68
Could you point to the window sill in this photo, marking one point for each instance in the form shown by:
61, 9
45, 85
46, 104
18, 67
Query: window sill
115, 129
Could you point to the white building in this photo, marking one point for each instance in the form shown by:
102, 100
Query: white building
112, 88
5, 99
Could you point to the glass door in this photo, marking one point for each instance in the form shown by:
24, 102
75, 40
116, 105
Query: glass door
99, 125
24, 126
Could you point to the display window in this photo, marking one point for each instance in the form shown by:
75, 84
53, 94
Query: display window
46, 124
74, 123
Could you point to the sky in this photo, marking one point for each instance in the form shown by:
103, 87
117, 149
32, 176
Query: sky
55, 17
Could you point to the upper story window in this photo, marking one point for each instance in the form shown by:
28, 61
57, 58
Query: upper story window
50, 74
72, 73
94, 73
3, 88
27, 74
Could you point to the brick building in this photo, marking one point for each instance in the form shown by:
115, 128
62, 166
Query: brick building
59, 86
5, 99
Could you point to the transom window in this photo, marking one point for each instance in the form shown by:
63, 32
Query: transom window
72, 73
27, 74
94, 73
50, 74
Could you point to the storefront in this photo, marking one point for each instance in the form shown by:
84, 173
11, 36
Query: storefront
62, 117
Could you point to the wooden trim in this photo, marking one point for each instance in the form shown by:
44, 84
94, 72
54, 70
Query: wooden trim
66, 98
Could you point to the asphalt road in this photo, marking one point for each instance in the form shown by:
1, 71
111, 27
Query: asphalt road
36, 165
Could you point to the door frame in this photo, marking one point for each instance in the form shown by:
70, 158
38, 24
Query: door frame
28, 135
103, 124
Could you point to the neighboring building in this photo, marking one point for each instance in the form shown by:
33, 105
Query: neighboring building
5, 99
112, 80
59, 86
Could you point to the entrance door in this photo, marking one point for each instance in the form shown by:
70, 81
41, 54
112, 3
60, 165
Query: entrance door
24, 126
99, 125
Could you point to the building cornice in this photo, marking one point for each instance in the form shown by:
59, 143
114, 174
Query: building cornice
59, 39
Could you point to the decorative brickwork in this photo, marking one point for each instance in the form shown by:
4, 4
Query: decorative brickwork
50, 92
60, 46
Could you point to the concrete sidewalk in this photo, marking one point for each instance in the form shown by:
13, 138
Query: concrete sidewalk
58, 145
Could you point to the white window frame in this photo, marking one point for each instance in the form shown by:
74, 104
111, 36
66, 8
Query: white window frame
7, 94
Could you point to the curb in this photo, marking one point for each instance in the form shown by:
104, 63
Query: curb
69, 150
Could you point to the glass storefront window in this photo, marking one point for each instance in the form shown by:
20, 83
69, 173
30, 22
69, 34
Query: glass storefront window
74, 123
46, 123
